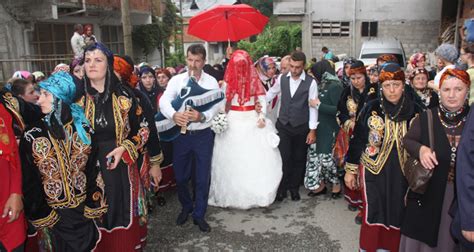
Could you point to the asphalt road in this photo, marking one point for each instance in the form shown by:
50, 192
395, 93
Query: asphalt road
312, 224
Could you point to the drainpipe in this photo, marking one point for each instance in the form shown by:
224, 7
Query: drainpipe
456, 30
26, 43
77, 12
354, 31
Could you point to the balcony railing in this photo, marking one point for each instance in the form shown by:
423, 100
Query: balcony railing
45, 64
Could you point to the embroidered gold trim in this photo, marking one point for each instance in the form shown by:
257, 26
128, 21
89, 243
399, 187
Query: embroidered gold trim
93, 213
131, 149
394, 133
13, 105
351, 168
157, 160
47, 221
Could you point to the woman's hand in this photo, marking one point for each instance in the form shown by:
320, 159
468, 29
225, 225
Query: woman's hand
13, 207
155, 175
469, 235
428, 158
351, 181
115, 156
261, 123
314, 102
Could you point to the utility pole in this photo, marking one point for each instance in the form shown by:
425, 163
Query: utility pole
127, 27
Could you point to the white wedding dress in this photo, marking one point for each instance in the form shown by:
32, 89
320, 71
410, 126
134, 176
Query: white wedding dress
246, 163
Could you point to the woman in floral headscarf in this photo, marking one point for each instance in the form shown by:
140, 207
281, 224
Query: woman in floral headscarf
59, 182
266, 70
246, 164
419, 82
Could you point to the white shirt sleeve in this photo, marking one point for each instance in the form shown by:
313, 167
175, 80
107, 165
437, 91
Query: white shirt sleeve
274, 90
262, 100
313, 112
171, 92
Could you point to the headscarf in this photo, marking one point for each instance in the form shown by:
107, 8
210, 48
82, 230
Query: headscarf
447, 52
76, 62
372, 69
18, 75
110, 82
242, 78
62, 87
155, 89
358, 67
388, 58
391, 71
61, 67
346, 80
125, 70
417, 71
264, 62
415, 58
321, 67
456, 73
405, 107
38, 75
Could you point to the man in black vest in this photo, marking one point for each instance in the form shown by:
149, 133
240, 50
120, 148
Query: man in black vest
296, 122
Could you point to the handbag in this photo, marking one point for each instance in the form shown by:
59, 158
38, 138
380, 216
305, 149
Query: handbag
416, 175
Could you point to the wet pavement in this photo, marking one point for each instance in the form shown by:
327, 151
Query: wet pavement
312, 224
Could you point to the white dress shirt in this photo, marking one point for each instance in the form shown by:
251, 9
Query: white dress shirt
173, 89
77, 44
294, 84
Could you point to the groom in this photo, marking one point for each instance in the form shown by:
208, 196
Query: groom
197, 142
296, 123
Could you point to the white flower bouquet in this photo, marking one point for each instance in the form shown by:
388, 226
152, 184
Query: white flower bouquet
219, 123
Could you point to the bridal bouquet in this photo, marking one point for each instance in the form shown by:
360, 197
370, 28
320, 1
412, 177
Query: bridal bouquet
219, 123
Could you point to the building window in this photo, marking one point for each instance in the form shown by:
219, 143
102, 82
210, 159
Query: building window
369, 29
330, 29
112, 37
52, 39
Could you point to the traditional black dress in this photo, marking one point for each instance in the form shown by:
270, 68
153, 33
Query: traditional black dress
118, 120
62, 193
376, 152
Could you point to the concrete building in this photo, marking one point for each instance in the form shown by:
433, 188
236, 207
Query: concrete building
215, 50
35, 34
343, 25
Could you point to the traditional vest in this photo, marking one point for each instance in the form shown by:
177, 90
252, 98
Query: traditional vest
294, 110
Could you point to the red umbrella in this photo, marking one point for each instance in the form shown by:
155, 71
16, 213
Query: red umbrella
227, 23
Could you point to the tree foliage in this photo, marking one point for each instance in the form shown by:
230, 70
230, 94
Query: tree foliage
274, 41
151, 36
264, 6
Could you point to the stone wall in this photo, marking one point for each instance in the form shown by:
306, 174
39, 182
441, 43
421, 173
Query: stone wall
414, 35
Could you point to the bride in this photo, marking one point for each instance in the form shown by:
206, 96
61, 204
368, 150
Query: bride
246, 162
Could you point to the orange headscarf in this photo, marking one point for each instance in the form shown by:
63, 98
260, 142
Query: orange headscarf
125, 70
460, 74
391, 71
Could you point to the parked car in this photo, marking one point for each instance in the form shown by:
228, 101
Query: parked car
372, 49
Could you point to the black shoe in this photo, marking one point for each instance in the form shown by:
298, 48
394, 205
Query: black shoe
336, 195
295, 195
202, 224
280, 196
314, 194
182, 218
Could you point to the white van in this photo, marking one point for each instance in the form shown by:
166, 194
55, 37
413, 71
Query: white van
372, 49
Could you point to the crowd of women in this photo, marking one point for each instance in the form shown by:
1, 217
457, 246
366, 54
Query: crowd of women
86, 151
